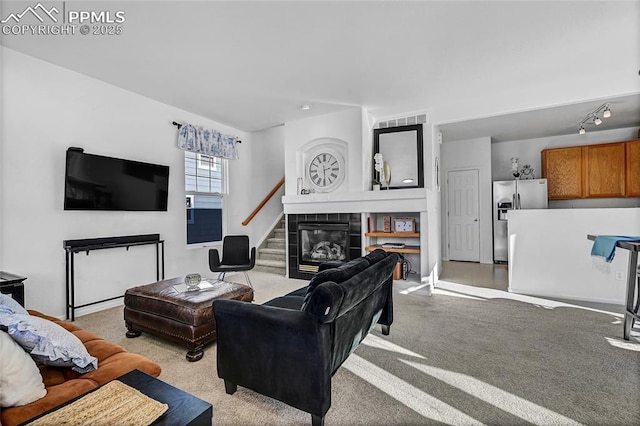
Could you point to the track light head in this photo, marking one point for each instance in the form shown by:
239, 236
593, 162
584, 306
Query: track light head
592, 117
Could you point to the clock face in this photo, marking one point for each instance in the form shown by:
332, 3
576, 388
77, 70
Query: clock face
325, 171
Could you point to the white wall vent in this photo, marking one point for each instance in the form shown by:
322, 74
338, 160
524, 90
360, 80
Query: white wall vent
404, 121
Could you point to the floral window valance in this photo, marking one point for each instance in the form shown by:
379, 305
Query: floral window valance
207, 141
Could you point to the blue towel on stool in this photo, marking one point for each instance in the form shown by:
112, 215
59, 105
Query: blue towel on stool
605, 245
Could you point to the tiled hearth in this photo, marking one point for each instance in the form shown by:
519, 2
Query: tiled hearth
355, 237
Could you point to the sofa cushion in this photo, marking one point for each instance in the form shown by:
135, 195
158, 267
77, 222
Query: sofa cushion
20, 380
376, 256
48, 343
339, 274
323, 304
299, 292
287, 302
362, 285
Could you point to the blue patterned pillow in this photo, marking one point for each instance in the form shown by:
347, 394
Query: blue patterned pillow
9, 305
48, 343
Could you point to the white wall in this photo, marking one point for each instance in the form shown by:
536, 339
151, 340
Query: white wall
434, 234
345, 126
465, 155
550, 254
267, 171
47, 109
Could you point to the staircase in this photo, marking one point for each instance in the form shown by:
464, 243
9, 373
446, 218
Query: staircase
272, 254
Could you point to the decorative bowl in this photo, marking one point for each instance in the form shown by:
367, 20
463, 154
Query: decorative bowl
192, 281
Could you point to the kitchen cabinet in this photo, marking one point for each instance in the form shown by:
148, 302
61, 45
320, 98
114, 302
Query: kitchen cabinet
563, 169
604, 167
633, 168
610, 170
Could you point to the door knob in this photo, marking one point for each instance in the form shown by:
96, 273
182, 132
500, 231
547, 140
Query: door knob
475, 220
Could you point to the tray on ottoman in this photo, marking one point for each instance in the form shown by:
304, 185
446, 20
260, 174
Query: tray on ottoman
186, 317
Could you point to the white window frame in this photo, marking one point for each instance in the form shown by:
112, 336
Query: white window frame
202, 162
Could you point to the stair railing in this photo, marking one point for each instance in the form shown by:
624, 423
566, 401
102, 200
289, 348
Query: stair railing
263, 202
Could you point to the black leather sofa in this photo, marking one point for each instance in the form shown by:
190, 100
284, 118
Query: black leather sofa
290, 347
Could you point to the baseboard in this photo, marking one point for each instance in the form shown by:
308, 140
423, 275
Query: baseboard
567, 297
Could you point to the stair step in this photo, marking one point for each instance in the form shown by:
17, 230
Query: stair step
271, 270
272, 263
272, 254
275, 243
271, 266
279, 233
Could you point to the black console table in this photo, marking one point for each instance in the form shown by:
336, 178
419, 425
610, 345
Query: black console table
72, 247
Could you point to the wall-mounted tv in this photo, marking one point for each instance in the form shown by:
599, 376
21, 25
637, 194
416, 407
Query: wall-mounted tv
95, 182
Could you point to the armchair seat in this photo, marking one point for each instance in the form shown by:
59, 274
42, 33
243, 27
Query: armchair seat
236, 257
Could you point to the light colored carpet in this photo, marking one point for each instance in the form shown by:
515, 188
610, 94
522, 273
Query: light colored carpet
465, 355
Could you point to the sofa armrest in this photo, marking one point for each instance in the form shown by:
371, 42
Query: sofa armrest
278, 352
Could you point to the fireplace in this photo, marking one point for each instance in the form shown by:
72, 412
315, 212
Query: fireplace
321, 242
317, 238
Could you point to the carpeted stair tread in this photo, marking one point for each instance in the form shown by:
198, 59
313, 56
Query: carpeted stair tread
272, 263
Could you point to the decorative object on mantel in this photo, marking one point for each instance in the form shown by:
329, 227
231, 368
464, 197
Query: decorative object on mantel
527, 172
514, 167
207, 141
387, 174
375, 184
402, 149
325, 170
379, 167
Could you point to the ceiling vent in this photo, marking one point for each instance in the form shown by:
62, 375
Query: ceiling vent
404, 121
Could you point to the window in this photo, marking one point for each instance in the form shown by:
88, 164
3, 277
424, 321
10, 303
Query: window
204, 178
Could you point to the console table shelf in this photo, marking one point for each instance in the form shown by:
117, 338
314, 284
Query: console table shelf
405, 249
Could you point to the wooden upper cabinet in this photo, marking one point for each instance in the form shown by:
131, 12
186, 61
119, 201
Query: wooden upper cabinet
633, 168
563, 169
604, 170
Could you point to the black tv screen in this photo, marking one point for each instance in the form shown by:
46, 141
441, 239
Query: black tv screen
95, 182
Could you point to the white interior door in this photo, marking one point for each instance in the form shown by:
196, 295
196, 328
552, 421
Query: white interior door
463, 215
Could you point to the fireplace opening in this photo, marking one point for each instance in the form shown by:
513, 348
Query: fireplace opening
322, 242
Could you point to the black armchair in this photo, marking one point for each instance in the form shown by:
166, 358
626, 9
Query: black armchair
236, 257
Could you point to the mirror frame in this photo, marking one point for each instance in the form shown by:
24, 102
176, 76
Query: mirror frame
419, 150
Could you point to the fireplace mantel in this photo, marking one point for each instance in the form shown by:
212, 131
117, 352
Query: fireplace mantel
397, 200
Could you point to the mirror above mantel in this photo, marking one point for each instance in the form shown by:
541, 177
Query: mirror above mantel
401, 149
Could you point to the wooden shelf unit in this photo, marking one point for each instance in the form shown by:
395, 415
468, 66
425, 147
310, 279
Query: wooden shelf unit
393, 234
406, 249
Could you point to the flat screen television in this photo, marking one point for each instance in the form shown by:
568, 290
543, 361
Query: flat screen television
95, 182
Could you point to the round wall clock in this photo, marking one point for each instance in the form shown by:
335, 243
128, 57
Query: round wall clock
325, 171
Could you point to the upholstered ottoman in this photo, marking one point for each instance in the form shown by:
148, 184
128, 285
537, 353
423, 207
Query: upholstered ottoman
184, 317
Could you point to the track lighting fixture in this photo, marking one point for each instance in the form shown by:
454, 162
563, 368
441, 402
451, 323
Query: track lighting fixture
592, 117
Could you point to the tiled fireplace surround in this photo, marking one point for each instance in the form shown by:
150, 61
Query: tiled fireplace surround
350, 207
355, 236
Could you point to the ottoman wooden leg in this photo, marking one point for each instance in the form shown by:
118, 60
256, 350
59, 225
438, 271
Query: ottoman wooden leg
195, 354
131, 333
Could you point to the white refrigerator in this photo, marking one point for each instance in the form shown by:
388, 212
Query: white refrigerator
513, 195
